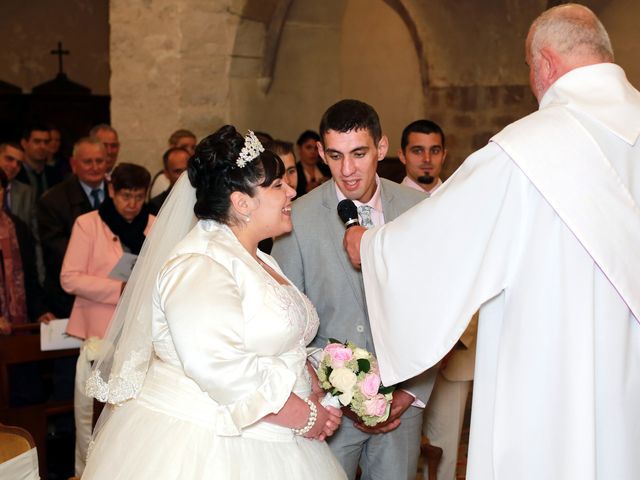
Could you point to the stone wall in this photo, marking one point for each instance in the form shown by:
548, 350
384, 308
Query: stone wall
170, 62
324, 57
470, 116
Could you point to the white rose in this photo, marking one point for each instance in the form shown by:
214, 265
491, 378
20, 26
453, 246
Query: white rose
344, 380
345, 398
359, 353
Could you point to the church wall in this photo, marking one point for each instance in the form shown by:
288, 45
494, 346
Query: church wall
324, 56
471, 115
470, 43
170, 63
306, 77
29, 30
380, 66
212, 55
365, 51
620, 18
199, 63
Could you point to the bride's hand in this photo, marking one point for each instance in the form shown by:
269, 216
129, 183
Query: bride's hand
327, 422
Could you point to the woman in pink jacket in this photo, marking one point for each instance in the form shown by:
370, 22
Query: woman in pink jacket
98, 241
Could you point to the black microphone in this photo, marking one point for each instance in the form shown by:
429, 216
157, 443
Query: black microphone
348, 213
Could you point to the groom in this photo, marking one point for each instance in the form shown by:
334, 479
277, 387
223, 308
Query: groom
313, 258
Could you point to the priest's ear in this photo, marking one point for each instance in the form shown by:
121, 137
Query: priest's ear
550, 66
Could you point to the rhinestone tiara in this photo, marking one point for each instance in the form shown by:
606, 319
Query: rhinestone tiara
252, 148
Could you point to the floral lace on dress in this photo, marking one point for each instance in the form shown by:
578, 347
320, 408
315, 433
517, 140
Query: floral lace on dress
301, 313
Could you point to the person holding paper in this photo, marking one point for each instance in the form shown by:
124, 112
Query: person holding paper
540, 229
98, 241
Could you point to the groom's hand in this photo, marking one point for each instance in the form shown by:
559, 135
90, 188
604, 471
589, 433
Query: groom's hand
351, 243
400, 403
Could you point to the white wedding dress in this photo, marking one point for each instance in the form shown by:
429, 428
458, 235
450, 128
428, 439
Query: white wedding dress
229, 347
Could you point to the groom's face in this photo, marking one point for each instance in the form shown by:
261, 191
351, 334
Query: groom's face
353, 160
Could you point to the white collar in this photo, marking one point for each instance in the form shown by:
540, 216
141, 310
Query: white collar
601, 92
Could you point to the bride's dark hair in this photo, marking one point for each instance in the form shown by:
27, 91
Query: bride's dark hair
215, 175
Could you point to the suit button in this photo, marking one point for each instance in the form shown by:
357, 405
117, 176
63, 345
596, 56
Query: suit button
359, 329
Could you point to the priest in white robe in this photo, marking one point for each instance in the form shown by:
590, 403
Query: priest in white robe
541, 229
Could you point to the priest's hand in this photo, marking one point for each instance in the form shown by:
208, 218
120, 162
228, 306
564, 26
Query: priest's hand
351, 243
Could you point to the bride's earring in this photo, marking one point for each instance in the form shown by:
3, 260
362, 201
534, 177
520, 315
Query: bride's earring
247, 218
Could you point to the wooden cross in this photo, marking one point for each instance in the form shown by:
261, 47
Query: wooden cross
60, 52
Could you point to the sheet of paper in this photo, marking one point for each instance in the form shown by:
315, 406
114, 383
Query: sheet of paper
124, 267
53, 336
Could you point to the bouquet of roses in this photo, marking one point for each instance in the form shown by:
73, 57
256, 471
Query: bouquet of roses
350, 377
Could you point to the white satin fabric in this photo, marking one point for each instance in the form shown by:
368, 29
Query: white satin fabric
22, 467
229, 347
82, 410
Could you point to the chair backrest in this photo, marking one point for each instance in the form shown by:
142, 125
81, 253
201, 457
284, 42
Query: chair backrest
13, 442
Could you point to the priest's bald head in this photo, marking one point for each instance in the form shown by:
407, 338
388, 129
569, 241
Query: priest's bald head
561, 39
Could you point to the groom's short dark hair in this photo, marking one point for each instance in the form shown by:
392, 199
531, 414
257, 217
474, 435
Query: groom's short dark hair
348, 115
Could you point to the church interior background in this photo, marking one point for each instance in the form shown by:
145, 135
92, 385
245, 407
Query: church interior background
275, 65
150, 67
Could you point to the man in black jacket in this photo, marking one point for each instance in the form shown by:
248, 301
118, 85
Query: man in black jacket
34, 170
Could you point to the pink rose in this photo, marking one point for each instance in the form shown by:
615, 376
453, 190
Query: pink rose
339, 354
376, 406
370, 385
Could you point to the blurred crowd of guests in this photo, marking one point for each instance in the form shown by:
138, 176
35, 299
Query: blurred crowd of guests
66, 219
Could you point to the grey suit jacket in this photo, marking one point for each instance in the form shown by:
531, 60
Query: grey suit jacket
313, 258
23, 204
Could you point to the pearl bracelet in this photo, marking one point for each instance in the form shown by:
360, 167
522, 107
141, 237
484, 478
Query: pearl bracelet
313, 416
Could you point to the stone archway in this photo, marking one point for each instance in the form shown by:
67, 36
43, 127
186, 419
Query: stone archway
276, 65
286, 69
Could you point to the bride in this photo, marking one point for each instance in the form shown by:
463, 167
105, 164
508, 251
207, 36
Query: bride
205, 373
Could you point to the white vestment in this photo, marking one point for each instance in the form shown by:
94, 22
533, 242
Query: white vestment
558, 352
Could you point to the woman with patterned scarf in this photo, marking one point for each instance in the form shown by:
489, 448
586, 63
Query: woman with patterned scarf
21, 297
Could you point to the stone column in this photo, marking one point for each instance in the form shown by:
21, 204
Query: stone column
169, 69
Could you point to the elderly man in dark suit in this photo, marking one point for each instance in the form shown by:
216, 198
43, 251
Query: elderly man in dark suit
58, 208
